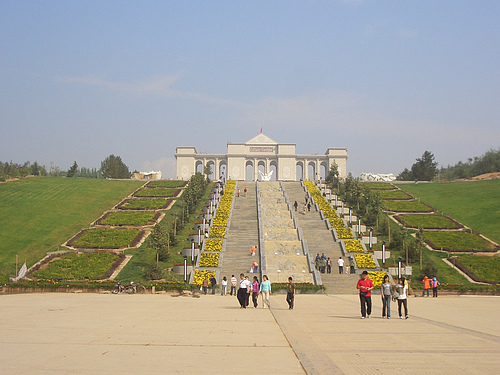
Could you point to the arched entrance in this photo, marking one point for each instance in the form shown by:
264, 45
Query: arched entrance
249, 171
273, 168
311, 171
299, 171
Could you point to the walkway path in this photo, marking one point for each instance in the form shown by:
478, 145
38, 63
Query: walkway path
158, 334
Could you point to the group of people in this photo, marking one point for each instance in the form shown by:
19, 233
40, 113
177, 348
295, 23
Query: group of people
389, 292
324, 263
244, 192
247, 288
307, 204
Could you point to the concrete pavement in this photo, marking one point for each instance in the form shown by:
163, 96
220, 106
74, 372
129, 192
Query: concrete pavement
159, 334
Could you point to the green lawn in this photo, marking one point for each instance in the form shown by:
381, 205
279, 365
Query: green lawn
487, 268
394, 194
473, 203
132, 218
167, 183
157, 192
378, 185
406, 206
38, 214
457, 241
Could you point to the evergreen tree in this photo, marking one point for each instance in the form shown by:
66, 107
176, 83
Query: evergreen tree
158, 241
113, 167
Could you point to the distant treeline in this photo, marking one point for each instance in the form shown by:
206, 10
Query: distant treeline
487, 163
15, 170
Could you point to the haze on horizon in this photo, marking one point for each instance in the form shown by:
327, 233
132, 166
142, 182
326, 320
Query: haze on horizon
387, 79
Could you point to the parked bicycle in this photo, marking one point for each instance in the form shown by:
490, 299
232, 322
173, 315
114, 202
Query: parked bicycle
131, 288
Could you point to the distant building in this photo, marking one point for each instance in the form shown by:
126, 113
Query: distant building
383, 177
261, 156
147, 175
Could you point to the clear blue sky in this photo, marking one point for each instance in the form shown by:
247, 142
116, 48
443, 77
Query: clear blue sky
80, 80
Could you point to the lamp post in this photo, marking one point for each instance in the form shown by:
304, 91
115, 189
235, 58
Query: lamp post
199, 237
383, 253
371, 238
399, 267
185, 269
350, 216
359, 226
192, 251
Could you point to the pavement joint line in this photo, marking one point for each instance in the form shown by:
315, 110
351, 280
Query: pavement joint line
307, 364
146, 345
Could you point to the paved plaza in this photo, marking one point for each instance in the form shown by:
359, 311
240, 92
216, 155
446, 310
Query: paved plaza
58, 333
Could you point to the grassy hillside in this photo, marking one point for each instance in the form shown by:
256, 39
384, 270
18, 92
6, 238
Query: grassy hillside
38, 214
475, 203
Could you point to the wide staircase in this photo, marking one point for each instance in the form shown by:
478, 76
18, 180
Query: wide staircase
242, 233
320, 240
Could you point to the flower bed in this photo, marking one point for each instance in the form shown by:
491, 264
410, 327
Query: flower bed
129, 218
217, 232
144, 204
209, 260
78, 266
213, 244
457, 241
353, 246
407, 206
379, 185
110, 238
199, 276
166, 184
394, 195
157, 192
428, 221
365, 261
377, 277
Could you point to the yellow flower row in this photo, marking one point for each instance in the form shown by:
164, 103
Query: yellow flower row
209, 260
217, 232
344, 233
365, 261
199, 276
377, 277
354, 246
213, 244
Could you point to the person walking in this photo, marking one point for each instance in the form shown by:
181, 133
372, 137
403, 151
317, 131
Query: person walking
352, 270
249, 290
204, 285
295, 205
245, 192
290, 294
402, 289
233, 285
255, 267
386, 293
426, 282
213, 282
255, 291
308, 206
243, 291
365, 287
340, 262
435, 285
223, 289
265, 291
238, 193
328, 265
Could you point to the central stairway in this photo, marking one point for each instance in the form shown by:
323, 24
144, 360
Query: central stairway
242, 234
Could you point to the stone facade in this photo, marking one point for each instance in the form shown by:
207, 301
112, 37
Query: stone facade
243, 161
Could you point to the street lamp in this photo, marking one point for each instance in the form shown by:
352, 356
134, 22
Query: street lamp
359, 226
350, 216
383, 253
185, 268
371, 238
399, 267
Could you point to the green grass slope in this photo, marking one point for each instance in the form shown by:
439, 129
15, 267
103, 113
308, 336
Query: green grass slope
38, 214
473, 203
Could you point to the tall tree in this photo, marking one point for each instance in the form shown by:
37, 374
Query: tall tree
158, 240
424, 169
73, 170
113, 167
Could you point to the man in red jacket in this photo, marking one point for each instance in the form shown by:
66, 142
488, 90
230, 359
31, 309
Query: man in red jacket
365, 287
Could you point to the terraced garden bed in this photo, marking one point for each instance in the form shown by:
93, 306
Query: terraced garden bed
144, 204
480, 268
428, 221
125, 218
157, 192
199, 276
166, 184
78, 266
457, 241
110, 238
394, 195
209, 260
407, 206
379, 185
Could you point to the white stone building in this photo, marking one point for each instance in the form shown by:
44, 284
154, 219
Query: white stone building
244, 161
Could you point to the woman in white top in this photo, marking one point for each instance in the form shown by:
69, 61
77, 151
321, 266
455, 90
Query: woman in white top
402, 288
223, 290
